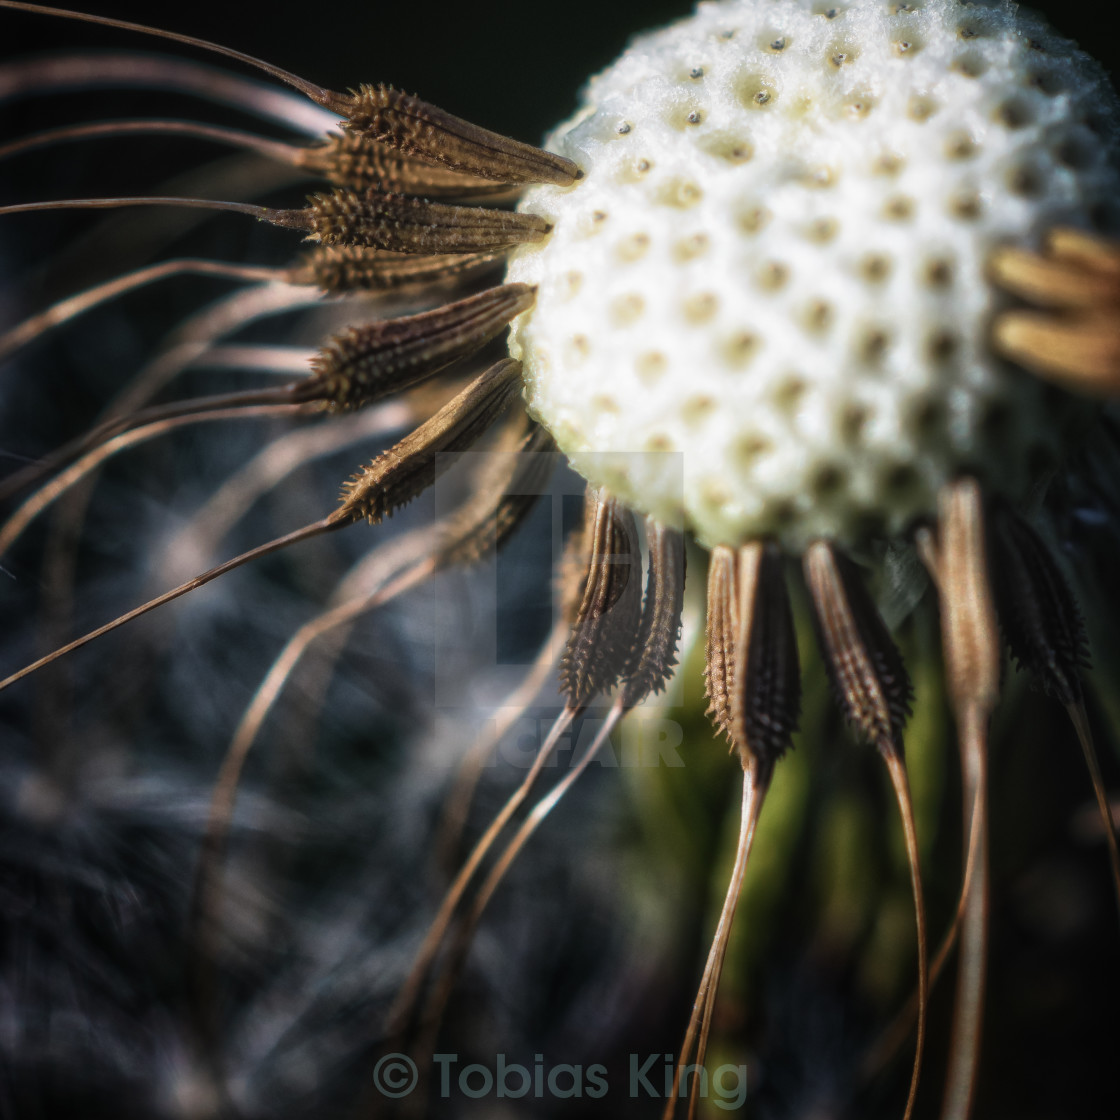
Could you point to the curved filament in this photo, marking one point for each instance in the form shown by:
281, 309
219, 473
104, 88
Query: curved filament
181, 414
59, 73
202, 534
892, 1038
391, 571
971, 651
457, 954
1080, 721
326, 525
469, 772
968, 1011
901, 784
316, 93
756, 781
194, 130
261, 213
404, 1004
196, 336
70, 308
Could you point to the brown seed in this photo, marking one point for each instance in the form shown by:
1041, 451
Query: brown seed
352, 268
414, 225
411, 466
655, 651
503, 497
364, 364
607, 620
766, 690
1053, 283
417, 128
354, 161
1038, 614
719, 657
863, 662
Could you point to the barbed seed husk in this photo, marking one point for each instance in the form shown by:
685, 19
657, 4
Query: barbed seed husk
413, 225
418, 128
766, 692
412, 465
365, 364
719, 652
354, 161
863, 663
655, 651
1038, 614
503, 498
359, 268
606, 624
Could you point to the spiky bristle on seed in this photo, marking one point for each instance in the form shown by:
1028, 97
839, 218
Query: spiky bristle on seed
655, 650
365, 364
605, 628
864, 664
412, 465
766, 677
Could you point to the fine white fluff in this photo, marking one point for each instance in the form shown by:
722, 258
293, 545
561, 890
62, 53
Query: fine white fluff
763, 310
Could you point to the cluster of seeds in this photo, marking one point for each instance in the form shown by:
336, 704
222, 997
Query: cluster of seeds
764, 310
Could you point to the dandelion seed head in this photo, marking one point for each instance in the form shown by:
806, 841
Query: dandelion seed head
777, 269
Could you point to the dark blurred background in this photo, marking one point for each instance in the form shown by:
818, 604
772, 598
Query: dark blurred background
511, 66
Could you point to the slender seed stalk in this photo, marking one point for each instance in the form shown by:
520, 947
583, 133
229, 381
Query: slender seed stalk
970, 643
289, 218
404, 1005
105, 440
1080, 720
316, 93
755, 784
880, 1054
456, 807
70, 308
204, 920
874, 691
901, 783
445, 983
194, 130
327, 525
389, 116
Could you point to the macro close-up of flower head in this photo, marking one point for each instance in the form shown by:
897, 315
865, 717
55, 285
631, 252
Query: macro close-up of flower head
609, 618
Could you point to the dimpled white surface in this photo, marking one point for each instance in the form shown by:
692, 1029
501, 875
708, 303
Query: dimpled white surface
768, 289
